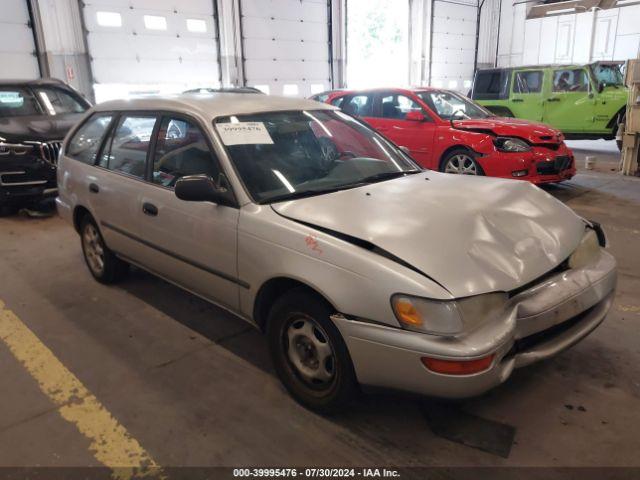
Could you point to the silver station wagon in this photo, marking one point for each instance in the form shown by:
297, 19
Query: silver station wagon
362, 268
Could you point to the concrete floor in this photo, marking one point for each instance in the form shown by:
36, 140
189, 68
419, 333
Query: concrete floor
195, 386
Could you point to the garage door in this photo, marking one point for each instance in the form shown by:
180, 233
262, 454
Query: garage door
142, 47
454, 44
286, 46
17, 48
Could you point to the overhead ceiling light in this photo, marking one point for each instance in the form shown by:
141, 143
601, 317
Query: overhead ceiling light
562, 10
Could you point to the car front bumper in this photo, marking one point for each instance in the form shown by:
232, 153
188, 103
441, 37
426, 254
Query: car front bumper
538, 166
540, 322
26, 179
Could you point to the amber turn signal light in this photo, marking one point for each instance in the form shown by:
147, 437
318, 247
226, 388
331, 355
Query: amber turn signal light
458, 367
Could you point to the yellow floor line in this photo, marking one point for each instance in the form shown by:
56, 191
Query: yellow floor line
111, 444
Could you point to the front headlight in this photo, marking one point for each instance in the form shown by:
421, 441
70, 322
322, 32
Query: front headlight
447, 317
587, 251
511, 144
16, 149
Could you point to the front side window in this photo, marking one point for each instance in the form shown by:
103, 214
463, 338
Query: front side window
570, 80
396, 106
358, 105
56, 101
285, 155
85, 143
128, 146
528, 81
608, 73
451, 106
17, 102
182, 150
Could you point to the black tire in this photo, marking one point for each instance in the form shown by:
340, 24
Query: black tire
302, 305
458, 152
112, 268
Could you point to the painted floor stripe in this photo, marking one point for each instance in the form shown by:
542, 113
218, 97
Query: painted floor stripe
111, 444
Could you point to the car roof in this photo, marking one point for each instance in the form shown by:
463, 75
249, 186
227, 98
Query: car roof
550, 65
32, 82
213, 105
404, 90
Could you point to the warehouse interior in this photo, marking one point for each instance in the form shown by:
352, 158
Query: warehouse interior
146, 379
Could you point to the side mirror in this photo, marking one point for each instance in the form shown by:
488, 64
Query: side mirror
414, 116
600, 87
202, 188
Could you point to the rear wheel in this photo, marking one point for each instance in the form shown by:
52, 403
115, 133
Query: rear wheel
308, 352
102, 262
460, 161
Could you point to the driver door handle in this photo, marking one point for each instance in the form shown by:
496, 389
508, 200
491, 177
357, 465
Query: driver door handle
517, 100
149, 209
553, 99
93, 188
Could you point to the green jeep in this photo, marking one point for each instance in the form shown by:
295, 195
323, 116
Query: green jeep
583, 101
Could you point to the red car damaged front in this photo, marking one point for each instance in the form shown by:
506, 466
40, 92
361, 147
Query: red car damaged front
514, 148
446, 131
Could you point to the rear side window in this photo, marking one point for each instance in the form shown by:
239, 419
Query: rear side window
337, 102
528, 81
396, 106
358, 105
491, 85
85, 143
570, 80
182, 150
129, 145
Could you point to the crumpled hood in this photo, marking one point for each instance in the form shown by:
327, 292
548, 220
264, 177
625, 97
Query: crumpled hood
471, 234
38, 128
512, 127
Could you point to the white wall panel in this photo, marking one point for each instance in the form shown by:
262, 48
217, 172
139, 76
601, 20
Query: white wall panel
609, 34
136, 55
285, 43
453, 44
17, 48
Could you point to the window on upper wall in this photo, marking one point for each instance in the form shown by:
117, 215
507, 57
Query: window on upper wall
109, 19
155, 22
290, 89
182, 150
128, 146
196, 25
528, 81
570, 80
85, 143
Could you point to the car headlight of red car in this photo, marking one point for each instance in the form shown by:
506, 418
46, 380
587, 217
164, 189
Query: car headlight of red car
511, 144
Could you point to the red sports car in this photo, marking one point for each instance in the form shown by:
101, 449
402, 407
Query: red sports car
445, 131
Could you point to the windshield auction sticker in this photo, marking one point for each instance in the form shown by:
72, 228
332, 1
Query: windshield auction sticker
244, 133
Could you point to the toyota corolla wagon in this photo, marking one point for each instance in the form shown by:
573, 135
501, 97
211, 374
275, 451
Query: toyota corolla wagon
362, 268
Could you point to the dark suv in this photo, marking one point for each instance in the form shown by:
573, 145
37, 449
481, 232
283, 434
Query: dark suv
35, 116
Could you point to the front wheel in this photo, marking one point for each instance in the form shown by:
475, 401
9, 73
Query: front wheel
461, 162
308, 352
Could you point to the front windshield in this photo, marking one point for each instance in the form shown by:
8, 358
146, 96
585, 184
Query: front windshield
286, 155
451, 106
608, 74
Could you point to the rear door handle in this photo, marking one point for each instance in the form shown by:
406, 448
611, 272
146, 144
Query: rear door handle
93, 188
149, 209
517, 100
555, 99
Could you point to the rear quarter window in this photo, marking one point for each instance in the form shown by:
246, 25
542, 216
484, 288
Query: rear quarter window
85, 143
491, 85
